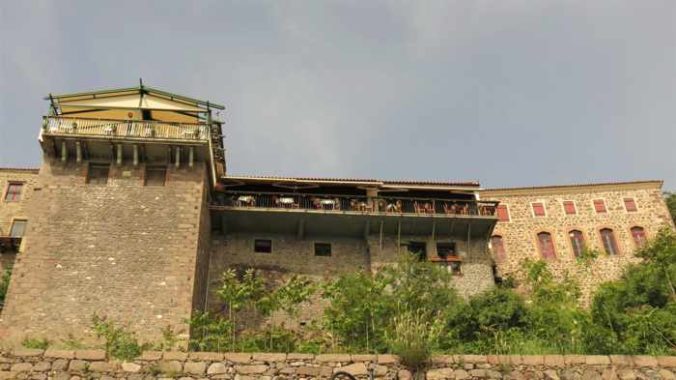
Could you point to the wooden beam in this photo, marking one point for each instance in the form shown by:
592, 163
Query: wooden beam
78, 152
119, 154
64, 151
135, 147
178, 157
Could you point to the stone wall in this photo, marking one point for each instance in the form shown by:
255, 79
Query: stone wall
9, 211
93, 364
121, 250
520, 232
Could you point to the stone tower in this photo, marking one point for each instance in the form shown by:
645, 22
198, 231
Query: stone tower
118, 220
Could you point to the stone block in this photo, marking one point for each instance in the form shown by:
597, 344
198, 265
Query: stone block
644, 361
532, 359
441, 374
59, 354
460, 374
287, 370
206, 356
21, 367
388, 359
404, 374
42, 366
364, 358
574, 359
290, 357
666, 361
325, 371
597, 360
60, 365
665, 374
551, 374
443, 359
170, 366
175, 355
78, 366
474, 358
217, 369
356, 369
269, 357
332, 358
307, 371
480, 373
621, 360
90, 354
250, 369
7, 375
131, 367
150, 355
103, 366
195, 368
27, 352
554, 361
237, 357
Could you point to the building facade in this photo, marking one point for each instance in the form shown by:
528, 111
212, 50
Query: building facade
132, 216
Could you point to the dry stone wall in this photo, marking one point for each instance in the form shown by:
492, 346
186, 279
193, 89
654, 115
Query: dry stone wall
93, 364
519, 234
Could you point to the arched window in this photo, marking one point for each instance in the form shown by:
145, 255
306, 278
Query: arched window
498, 247
577, 242
609, 242
546, 245
638, 233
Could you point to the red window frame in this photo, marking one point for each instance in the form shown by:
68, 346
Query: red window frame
13, 193
569, 207
503, 213
538, 208
577, 242
600, 206
630, 204
639, 236
546, 245
609, 241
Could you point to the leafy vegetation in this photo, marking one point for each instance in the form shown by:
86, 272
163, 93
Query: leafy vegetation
670, 199
119, 342
35, 343
4, 284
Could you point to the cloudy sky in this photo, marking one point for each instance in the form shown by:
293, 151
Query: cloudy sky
512, 93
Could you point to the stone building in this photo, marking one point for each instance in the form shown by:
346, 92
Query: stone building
133, 216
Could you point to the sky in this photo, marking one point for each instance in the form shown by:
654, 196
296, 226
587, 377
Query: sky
507, 92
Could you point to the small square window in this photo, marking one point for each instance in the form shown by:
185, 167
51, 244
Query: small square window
419, 249
445, 250
18, 228
322, 249
13, 193
569, 207
600, 206
98, 174
263, 246
155, 175
538, 208
630, 204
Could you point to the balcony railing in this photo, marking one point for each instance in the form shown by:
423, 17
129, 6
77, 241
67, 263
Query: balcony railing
144, 129
355, 203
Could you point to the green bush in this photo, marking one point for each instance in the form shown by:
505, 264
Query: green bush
4, 284
35, 343
119, 343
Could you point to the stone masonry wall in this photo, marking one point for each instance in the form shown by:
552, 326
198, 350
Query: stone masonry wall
520, 232
93, 364
10, 211
121, 250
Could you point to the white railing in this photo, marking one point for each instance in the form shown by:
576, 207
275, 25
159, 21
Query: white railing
54, 125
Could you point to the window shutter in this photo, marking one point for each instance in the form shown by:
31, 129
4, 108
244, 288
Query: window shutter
538, 209
503, 213
599, 205
569, 207
630, 204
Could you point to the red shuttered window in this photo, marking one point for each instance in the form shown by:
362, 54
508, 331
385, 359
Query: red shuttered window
498, 247
638, 234
609, 242
577, 242
546, 245
503, 213
599, 206
538, 208
630, 204
13, 193
569, 207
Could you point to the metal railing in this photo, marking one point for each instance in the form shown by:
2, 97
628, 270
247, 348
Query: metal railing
55, 125
355, 203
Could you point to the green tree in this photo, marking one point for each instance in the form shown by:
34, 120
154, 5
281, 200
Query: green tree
670, 199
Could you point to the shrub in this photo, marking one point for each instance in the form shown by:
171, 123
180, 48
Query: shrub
119, 343
4, 284
35, 343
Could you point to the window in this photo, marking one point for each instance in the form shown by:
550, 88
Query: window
503, 213
577, 242
155, 175
264, 246
599, 206
418, 248
18, 228
609, 243
456, 267
98, 174
638, 234
322, 249
630, 204
13, 193
445, 250
546, 245
569, 207
538, 209
498, 247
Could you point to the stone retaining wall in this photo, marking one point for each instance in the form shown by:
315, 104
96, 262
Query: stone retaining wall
93, 364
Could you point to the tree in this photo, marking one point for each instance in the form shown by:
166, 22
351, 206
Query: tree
670, 199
